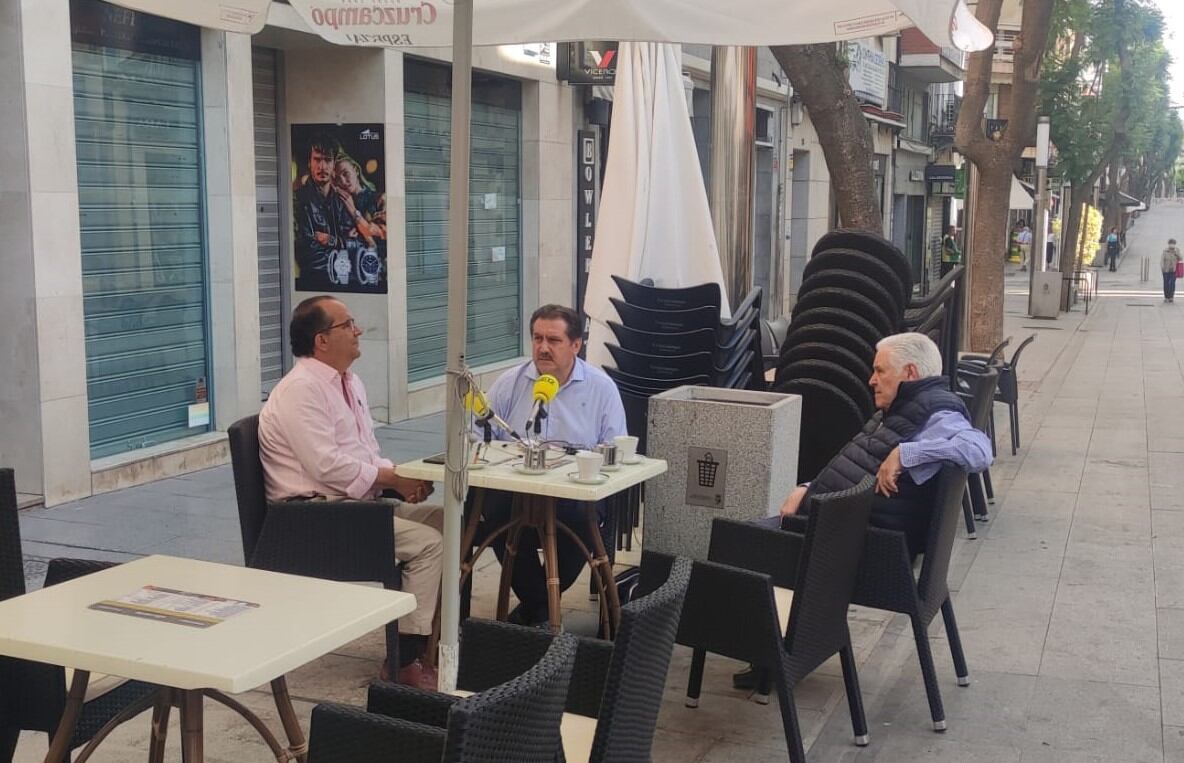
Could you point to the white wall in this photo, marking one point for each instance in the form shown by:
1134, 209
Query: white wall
808, 202
232, 238
331, 85
43, 401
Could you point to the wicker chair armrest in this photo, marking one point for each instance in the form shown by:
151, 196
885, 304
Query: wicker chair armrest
407, 703
760, 549
342, 734
347, 540
493, 653
885, 579
61, 570
795, 523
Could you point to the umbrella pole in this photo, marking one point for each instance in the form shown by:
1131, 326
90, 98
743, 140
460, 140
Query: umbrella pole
458, 270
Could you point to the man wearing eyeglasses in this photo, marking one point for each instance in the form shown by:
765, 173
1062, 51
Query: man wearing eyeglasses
316, 441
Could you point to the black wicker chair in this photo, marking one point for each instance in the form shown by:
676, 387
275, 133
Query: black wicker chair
33, 694
353, 542
732, 610
979, 396
619, 683
515, 721
1008, 392
886, 581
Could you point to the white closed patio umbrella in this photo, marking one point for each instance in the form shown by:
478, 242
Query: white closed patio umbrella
654, 221
465, 23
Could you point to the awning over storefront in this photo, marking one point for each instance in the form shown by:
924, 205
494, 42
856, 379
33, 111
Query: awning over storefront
246, 16
1131, 203
707, 22
1023, 195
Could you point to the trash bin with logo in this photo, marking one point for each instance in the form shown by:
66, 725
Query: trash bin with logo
730, 453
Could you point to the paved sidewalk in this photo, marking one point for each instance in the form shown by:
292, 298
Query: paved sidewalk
1070, 603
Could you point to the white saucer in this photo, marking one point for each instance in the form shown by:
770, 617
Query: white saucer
633, 461
613, 468
600, 479
521, 469
476, 465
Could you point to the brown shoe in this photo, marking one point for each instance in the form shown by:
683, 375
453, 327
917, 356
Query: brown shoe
419, 676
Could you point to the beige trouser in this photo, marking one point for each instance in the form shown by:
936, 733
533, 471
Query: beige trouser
420, 547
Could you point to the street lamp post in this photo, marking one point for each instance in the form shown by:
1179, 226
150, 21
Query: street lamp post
1040, 237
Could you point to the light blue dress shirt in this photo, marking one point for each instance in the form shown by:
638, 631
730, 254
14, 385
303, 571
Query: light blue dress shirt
946, 438
586, 412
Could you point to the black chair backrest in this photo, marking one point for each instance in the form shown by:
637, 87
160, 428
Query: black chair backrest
518, 720
997, 353
637, 672
12, 560
654, 343
943, 523
660, 298
1015, 356
637, 408
673, 321
661, 366
249, 487
747, 311
827, 568
980, 395
649, 384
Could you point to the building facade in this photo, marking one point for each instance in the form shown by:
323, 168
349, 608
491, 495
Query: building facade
160, 190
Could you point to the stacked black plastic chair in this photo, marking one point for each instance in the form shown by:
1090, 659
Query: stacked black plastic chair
854, 292
515, 721
939, 316
731, 608
618, 683
33, 694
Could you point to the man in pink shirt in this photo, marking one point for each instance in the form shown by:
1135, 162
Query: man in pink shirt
316, 441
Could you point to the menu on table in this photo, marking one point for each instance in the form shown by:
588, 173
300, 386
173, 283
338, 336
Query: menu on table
179, 607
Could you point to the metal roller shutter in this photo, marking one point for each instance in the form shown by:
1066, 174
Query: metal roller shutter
138, 133
267, 219
494, 305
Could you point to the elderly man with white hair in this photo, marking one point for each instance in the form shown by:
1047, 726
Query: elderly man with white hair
919, 426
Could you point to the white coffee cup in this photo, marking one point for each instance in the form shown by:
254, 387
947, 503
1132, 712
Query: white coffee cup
626, 448
589, 462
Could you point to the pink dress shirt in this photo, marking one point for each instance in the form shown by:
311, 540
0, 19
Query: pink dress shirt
312, 442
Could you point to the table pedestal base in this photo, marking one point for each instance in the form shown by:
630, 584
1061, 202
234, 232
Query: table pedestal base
191, 704
538, 513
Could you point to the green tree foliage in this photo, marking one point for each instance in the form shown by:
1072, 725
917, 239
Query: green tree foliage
1104, 87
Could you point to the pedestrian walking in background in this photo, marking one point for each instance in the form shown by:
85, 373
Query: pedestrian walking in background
1025, 242
1171, 263
1112, 249
951, 255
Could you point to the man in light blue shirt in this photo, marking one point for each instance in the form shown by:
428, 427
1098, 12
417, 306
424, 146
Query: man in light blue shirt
586, 411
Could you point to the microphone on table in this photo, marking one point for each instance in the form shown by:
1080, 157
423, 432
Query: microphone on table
546, 387
478, 404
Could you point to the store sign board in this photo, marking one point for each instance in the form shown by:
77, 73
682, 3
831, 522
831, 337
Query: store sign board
867, 71
246, 16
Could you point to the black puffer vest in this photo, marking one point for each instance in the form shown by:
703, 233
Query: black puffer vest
915, 402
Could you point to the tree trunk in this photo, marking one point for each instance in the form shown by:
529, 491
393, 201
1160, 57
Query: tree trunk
996, 159
1113, 210
819, 76
1070, 241
989, 247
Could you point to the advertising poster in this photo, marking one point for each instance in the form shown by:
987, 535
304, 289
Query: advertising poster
339, 208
